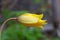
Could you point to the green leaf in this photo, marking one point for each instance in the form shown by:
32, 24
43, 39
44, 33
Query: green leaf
18, 13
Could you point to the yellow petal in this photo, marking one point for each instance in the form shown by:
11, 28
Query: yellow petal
27, 19
34, 15
41, 16
42, 22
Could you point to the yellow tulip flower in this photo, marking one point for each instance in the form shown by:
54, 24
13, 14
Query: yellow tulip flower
34, 20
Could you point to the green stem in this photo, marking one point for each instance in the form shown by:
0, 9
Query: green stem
3, 25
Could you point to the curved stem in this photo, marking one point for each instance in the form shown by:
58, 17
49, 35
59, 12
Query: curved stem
2, 26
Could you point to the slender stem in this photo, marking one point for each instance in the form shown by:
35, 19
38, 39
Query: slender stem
2, 26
